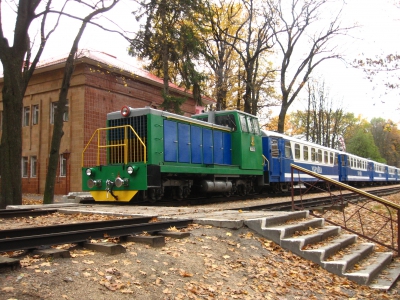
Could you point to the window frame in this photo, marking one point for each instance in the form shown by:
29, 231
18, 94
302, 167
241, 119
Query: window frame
306, 155
288, 149
53, 107
24, 167
33, 165
63, 166
26, 116
297, 151
35, 114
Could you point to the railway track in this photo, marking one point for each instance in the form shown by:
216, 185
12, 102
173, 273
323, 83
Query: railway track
318, 201
18, 213
35, 237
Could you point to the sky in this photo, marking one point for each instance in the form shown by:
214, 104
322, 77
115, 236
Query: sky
377, 34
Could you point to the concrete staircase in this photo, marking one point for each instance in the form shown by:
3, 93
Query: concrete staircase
338, 253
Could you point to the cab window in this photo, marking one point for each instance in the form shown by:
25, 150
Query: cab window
256, 126
243, 124
226, 120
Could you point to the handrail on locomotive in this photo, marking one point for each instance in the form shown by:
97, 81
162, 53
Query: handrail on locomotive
390, 224
125, 143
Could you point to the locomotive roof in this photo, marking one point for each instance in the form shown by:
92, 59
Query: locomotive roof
135, 112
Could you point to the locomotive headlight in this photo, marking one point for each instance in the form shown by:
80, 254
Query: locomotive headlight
89, 172
131, 169
92, 183
121, 182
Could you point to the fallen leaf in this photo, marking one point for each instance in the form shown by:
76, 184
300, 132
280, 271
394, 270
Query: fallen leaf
183, 273
8, 289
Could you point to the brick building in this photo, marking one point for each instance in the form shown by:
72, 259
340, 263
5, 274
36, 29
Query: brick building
100, 84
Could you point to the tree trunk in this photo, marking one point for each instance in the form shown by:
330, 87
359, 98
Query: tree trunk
281, 118
11, 140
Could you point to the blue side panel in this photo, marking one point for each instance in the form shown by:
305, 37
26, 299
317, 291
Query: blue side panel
227, 148
207, 146
197, 145
218, 148
170, 141
183, 143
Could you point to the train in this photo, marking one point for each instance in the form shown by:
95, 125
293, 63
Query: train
146, 154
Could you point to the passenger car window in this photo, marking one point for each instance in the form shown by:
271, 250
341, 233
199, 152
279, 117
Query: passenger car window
313, 154
319, 158
305, 152
296, 151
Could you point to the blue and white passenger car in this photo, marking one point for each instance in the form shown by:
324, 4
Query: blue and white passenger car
354, 169
280, 151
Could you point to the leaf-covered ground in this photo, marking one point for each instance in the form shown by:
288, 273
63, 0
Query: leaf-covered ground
212, 263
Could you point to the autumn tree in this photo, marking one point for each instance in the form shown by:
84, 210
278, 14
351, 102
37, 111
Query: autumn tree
99, 8
171, 44
19, 62
250, 39
303, 41
220, 17
386, 138
324, 120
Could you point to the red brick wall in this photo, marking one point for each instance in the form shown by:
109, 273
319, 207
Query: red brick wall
93, 93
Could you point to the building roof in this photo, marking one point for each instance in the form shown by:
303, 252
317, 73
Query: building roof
112, 63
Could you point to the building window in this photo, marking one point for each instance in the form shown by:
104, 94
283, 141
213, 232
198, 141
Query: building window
24, 167
53, 111
25, 118
35, 114
63, 166
33, 166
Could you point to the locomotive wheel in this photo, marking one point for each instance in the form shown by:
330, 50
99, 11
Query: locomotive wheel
241, 190
177, 193
155, 195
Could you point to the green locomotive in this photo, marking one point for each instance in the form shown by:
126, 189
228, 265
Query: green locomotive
146, 154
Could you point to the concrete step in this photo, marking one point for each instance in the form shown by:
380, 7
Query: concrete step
258, 224
296, 244
321, 254
387, 278
359, 263
347, 261
278, 232
370, 268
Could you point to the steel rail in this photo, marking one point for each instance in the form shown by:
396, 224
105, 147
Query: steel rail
79, 236
309, 203
25, 213
29, 231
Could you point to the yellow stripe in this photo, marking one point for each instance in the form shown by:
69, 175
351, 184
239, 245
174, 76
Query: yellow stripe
123, 196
